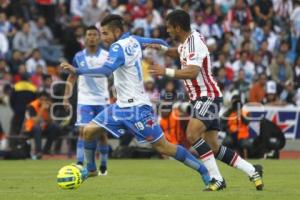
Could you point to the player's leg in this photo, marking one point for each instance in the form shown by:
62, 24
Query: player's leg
90, 133
182, 155
204, 112
195, 132
85, 114
232, 159
80, 147
103, 149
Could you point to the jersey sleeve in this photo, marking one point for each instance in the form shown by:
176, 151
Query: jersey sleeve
114, 60
144, 40
74, 62
196, 52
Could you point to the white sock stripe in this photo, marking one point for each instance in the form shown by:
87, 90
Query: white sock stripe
199, 143
222, 152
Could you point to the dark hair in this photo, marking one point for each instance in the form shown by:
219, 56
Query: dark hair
91, 28
114, 21
179, 18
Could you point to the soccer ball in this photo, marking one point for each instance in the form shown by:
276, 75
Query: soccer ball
71, 176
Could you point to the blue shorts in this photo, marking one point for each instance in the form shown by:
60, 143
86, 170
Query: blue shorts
85, 113
137, 120
207, 110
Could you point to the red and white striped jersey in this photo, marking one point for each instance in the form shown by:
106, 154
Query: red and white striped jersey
194, 52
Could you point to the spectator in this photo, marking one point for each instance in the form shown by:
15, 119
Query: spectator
5, 26
295, 19
259, 66
241, 13
15, 61
281, 71
152, 91
3, 45
24, 40
34, 61
116, 8
136, 9
282, 10
263, 11
23, 93
77, 7
272, 98
241, 85
200, 26
288, 93
237, 126
257, 91
246, 65
38, 122
223, 81
265, 53
93, 13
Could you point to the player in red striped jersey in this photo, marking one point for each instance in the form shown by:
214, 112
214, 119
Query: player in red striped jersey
206, 98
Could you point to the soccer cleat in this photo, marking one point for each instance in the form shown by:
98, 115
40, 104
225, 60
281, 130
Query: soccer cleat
215, 185
102, 171
257, 177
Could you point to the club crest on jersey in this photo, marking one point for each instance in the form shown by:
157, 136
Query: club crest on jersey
131, 49
82, 63
115, 48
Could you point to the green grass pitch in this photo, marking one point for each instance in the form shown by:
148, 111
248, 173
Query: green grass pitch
146, 180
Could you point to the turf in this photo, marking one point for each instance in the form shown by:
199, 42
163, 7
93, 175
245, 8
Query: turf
145, 180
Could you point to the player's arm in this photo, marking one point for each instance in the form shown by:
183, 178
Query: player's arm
115, 60
194, 61
190, 72
70, 82
159, 45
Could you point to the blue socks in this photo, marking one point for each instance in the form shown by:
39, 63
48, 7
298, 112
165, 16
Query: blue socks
189, 160
80, 151
89, 152
103, 149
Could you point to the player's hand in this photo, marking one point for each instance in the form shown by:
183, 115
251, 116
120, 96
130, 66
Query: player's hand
153, 46
66, 104
67, 67
156, 70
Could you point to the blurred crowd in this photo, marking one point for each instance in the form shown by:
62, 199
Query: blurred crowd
254, 46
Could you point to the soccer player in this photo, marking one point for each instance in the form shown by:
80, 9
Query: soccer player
93, 97
133, 110
205, 96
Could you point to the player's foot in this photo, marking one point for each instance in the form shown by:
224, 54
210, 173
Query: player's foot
79, 163
257, 177
93, 173
215, 185
102, 170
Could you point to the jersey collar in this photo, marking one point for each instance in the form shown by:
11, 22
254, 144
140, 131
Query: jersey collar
125, 35
90, 55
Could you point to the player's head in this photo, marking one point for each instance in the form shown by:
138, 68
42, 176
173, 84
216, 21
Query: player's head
111, 28
178, 21
92, 36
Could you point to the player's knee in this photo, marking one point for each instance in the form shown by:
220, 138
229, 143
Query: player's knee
214, 145
87, 133
193, 136
103, 138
